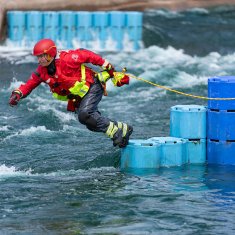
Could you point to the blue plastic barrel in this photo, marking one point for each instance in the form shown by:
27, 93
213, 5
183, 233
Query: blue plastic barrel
221, 152
188, 121
50, 25
221, 124
196, 151
100, 25
117, 27
140, 154
16, 25
84, 27
134, 27
221, 87
172, 151
67, 27
34, 26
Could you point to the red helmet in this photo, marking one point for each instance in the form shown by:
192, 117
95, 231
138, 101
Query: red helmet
46, 46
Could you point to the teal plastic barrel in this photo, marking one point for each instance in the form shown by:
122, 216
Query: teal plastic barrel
140, 154
196, 151
188, 121
172, 151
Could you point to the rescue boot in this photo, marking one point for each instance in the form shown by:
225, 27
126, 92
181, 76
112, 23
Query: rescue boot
119, 133
126, 132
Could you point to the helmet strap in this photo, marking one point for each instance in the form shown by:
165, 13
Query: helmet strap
48, 57
51, 68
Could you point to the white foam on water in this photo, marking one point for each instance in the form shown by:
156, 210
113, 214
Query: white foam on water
13, 85
11, 171
198, 10
164, 12
150, 63
83, 174
29, 132
186, 80
4, 128
58, 108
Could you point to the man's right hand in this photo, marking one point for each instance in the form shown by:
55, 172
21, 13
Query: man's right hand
15, 98
109, 68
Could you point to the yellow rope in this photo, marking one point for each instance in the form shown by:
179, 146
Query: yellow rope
178, 92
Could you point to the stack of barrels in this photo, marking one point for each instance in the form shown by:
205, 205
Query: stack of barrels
221, 121
198, 134
185, 145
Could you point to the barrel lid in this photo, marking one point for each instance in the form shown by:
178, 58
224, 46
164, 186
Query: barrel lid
143, 142
192, 108
223, 79
167, 140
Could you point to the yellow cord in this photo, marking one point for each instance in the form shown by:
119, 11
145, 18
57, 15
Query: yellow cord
178, 92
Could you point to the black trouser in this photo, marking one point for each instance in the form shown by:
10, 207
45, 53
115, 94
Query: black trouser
88, 113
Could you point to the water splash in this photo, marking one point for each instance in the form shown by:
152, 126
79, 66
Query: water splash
9, 171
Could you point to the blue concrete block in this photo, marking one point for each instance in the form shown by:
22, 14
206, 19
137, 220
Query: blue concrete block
84, 18
172, 151
134, 19
140, 154
134, 27
34, 26
16, 25
117, 18
188, 121
84, 27
117, 24
100, 19
67, 27
220, 152
221, 87
221, 125
100, 27
50, 25
195, 151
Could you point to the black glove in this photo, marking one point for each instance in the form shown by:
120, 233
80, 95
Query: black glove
15, 98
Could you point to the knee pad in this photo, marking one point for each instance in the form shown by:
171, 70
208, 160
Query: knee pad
87, 119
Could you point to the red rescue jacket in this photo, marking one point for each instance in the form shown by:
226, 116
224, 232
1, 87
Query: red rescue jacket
68, 72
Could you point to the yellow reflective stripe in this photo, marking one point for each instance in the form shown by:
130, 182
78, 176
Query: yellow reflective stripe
120, 125
124, 129
109, 130
103, 76
60, 97
80, 88
112, 129
83, 70
18, 91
